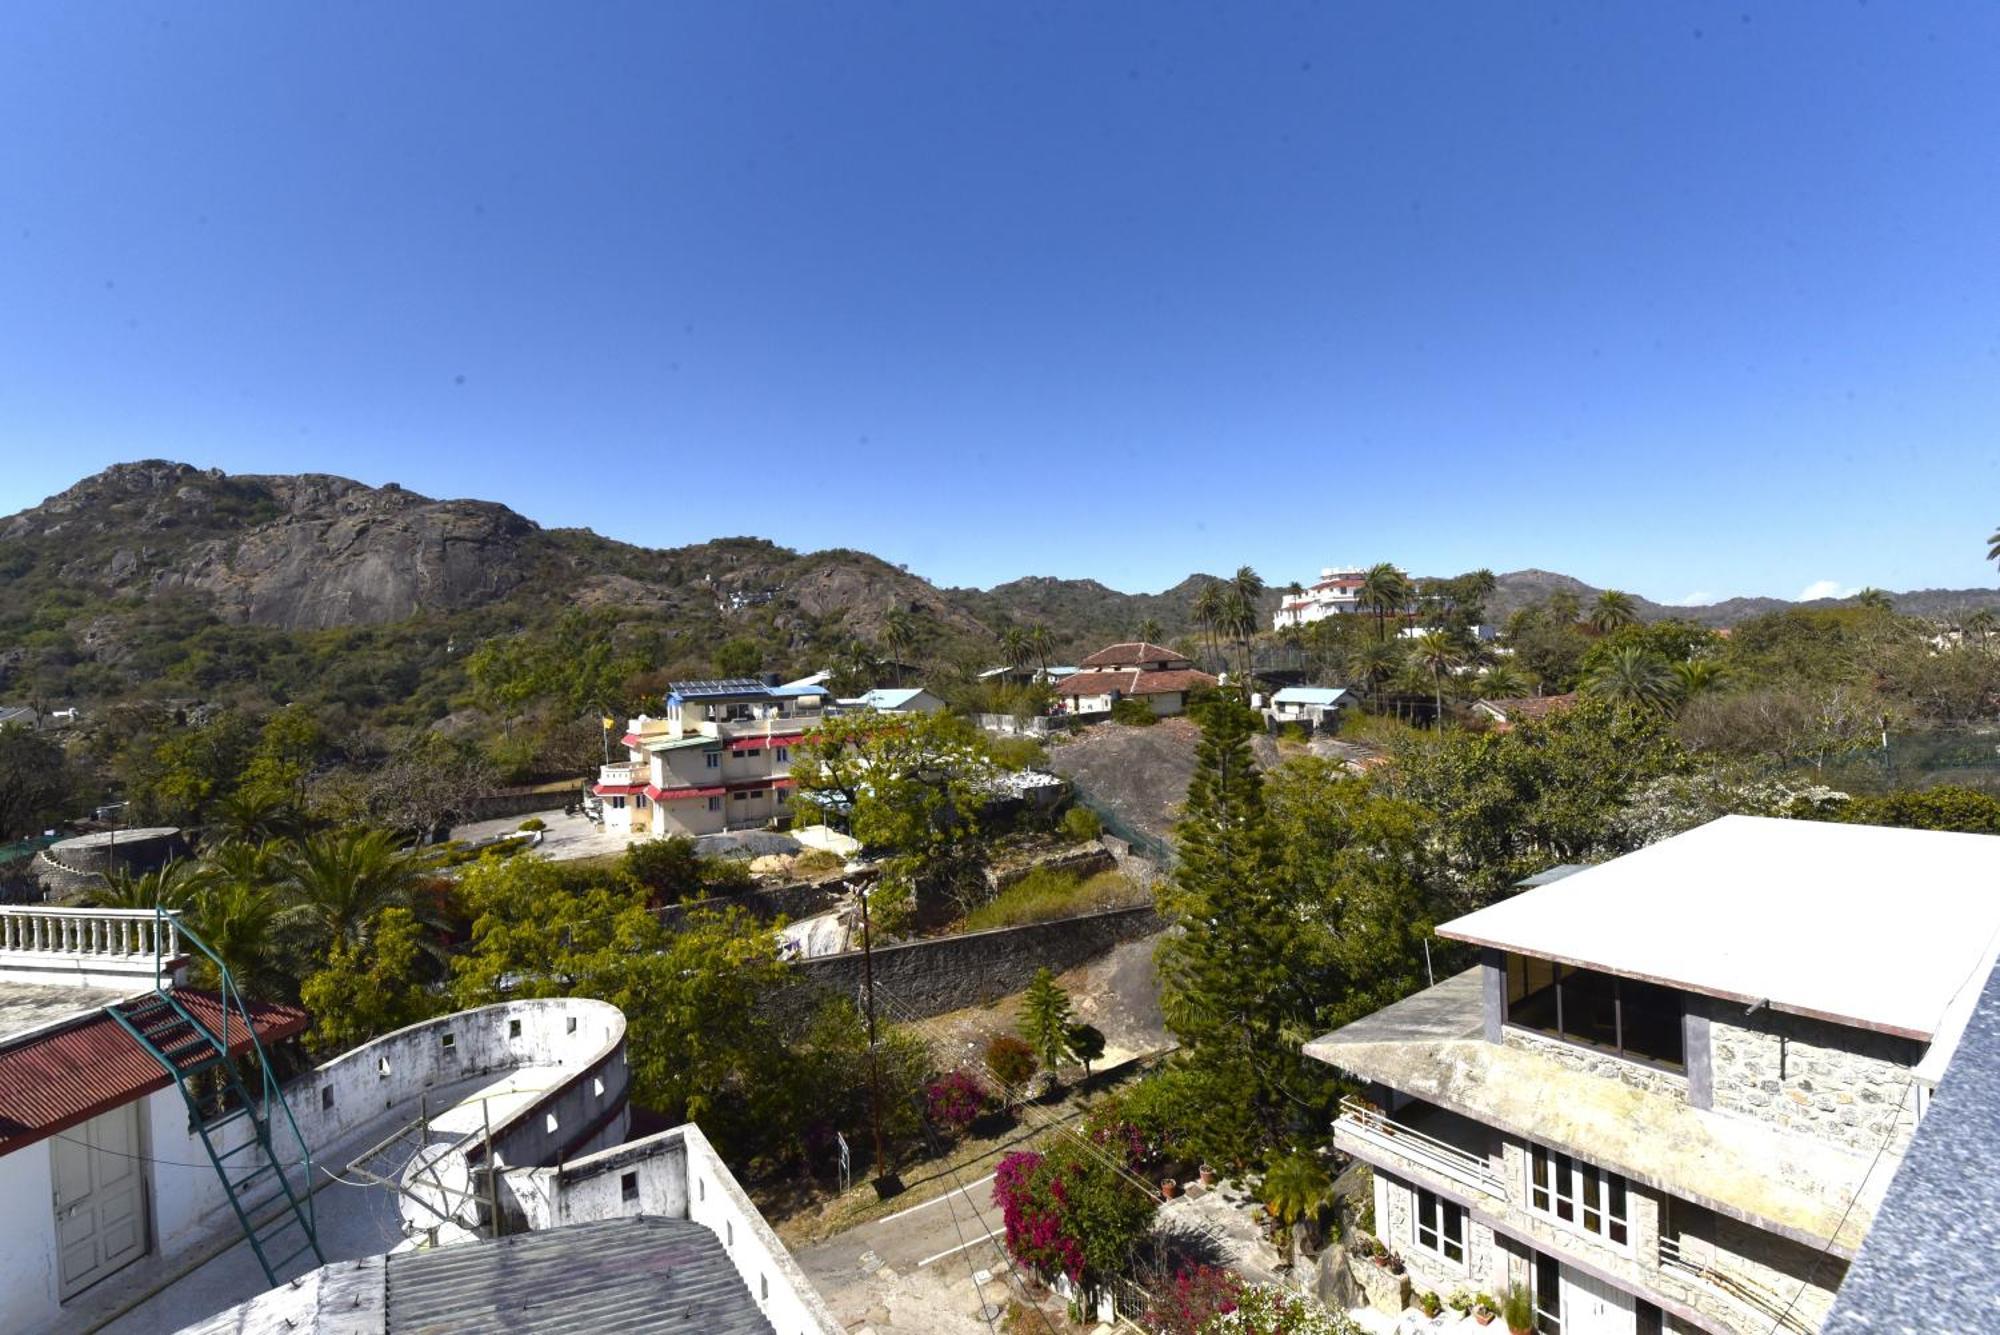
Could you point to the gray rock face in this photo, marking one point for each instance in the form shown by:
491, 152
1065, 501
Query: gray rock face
304, 552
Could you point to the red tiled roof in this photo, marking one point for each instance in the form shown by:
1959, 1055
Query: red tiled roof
1131, 681
54, 1081
1130, 653
741, 744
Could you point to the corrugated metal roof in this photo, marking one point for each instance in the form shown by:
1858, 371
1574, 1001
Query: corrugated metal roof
52, 1081
1310, 695
641, 1274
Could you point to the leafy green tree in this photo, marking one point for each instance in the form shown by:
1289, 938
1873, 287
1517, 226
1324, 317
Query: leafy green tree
1945, 807
738, 658
1045, 1020
289, 744
1149, 631
1613, 608
1086, 1044
911, 789
1874, 600
37, 786
360, 995
177, 777
1695, 677
703, 1047
1011, 1062
670, 868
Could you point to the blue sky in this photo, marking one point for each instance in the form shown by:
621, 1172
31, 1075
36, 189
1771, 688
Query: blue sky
1686, 298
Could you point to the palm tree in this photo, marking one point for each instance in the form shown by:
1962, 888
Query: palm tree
1993, 546
1503, 681
172, 887
1295, 1187
854, 668
336, 885
1632, 675
240, 923
1384, 589
1249, 586
1613, 608
1210, 607
1148, 630
1874, 600
1697, 676
1240, 621
1439, 654
1371, 663
254, 813
1014, 646
1981, 622
899, 637
1040, 642
1563, 607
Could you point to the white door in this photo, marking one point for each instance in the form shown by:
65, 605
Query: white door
1592, 1307
100, 1198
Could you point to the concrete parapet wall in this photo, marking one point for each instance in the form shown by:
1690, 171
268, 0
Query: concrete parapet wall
1841, 1084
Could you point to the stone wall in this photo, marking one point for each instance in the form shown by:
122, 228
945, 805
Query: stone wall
1081, 861
950, 973
1841, 1084
1591, 1062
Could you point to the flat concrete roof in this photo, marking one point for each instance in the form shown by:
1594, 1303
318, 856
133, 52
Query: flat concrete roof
1886, 929
27, 1007
1430, 1046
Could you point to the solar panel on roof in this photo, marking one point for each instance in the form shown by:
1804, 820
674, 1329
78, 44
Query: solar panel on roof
721, 686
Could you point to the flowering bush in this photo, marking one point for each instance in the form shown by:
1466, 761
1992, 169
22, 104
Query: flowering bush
954, 1099
1197, 1296
1069, 1212
1012, 1062
1269, 1310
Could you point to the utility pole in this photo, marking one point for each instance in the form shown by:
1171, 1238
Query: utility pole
874, 1058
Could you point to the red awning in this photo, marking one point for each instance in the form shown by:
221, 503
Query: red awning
681, 794
738, 745
631, 739
616, 789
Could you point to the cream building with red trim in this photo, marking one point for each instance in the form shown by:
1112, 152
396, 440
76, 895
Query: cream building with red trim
720, 758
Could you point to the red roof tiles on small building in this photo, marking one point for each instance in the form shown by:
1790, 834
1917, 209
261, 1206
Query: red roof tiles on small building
1131, 653
1131, 681
50, 1082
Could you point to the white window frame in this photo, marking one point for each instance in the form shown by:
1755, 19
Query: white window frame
1579, 1196
715, 804
1435, 1238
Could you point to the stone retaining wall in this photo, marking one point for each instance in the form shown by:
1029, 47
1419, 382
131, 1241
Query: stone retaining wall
950, 973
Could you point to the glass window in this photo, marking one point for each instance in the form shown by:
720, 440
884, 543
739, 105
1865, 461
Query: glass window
1591, 1198
1440, 1227
1641, 1021
714, 759
784, 754
1548, 1295
715, 804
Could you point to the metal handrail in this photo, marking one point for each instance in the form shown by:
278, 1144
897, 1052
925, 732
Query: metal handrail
1743, 1289
1370, 1118
270, 1092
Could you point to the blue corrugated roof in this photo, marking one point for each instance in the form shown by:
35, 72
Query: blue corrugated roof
1310, 695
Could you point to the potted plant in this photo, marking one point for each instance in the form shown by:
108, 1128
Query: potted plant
1429, 1304
1169, 1188
1378, 1253
1207, 1175
1484, 1309
1395, 1264
1460, 1302
1518, 1310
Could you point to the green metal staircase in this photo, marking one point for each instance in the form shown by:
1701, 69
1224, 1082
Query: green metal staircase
188, 1048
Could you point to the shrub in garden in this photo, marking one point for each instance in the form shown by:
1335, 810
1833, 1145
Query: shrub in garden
1012, 1063
1198, 1295
1081, 823
533, 823
954, 1100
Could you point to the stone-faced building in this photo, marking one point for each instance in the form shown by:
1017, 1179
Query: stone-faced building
1673, 1093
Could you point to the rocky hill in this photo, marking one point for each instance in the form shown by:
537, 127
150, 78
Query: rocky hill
161, 570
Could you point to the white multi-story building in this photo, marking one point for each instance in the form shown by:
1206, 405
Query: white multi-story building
719, 759
1337, 590
1674, 1091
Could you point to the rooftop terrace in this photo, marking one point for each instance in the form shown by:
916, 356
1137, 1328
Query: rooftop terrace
1431, 1046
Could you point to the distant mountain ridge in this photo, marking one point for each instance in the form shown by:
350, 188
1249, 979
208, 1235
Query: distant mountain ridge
312, 551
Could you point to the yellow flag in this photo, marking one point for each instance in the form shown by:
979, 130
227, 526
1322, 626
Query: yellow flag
608, 724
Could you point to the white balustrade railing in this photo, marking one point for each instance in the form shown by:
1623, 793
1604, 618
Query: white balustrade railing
621, 774
109, 934
1376, 1128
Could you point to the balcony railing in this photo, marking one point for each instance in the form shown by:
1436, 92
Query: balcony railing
1371, 1127
1768, 1305
96, 934
621, 774
766, 727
